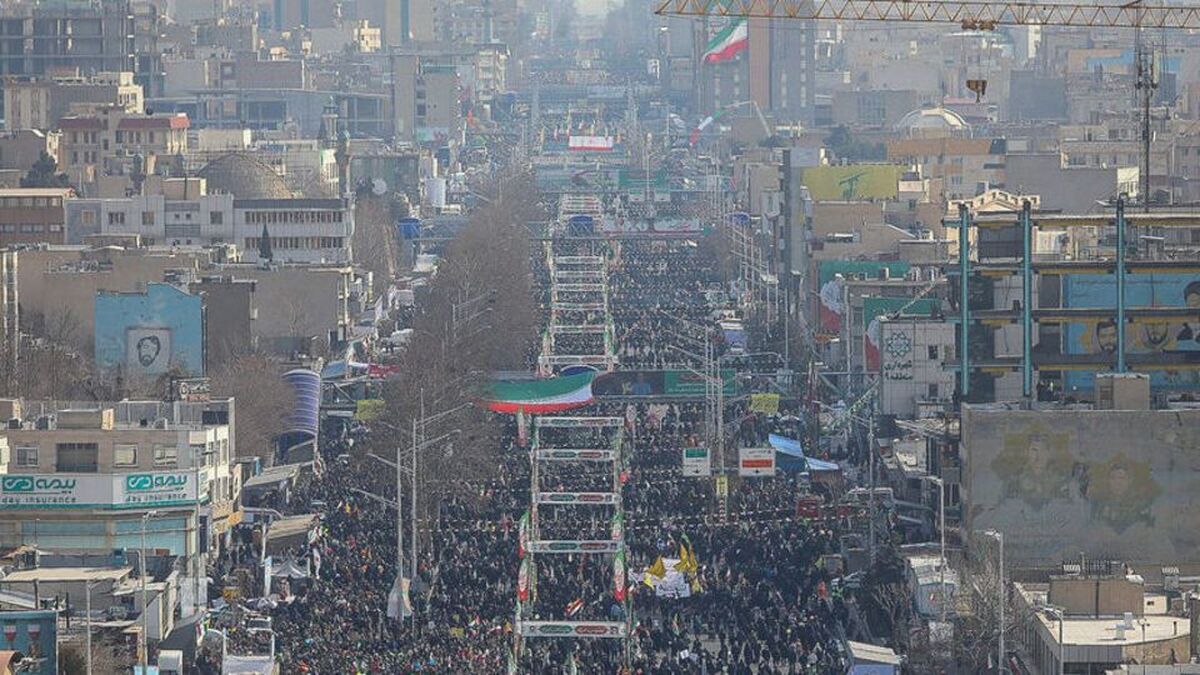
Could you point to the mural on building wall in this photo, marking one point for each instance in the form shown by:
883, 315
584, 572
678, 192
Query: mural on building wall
1143, 337
896, 356
146, 335
148, 351
1058, 484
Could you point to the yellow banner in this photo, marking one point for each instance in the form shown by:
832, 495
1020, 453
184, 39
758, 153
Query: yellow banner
369, 409
767, 404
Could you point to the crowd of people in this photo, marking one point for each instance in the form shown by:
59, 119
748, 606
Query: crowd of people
759, 598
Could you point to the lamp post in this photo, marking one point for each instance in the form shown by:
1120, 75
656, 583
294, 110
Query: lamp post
145, 639
88, 620
199, 461
942, 531
999, 537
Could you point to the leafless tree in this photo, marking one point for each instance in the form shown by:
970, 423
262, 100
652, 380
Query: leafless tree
374, 242
261, 400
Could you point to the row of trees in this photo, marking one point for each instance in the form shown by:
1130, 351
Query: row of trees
485, 273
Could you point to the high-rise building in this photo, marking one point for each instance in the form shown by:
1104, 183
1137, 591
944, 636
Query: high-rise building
36, 39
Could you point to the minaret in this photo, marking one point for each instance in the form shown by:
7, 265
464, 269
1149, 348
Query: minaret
329, 124
342, 155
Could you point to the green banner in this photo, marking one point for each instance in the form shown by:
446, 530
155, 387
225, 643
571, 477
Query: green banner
687, 383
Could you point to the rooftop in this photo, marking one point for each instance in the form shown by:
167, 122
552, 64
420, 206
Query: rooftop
69, 574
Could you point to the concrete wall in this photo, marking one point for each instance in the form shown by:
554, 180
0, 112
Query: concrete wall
296, 302
1109, 484
1070, 189
54, 287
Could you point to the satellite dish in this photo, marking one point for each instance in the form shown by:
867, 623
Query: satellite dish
379, 187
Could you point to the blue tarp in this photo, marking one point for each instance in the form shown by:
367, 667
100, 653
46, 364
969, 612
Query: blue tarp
792, 448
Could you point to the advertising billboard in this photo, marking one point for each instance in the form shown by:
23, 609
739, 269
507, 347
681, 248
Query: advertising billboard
97, 491
1116, 484
1099, 291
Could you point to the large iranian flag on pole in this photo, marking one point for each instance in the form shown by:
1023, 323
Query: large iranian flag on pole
726, 44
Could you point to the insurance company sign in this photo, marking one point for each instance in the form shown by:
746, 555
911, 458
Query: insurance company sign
91, 491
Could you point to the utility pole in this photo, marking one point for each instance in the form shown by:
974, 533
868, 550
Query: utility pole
1144, 87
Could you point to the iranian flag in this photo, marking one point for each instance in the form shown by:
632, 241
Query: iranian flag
620, 578
726, 44
704, 124
539, 397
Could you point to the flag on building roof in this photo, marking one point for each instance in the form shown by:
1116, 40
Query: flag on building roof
728, 43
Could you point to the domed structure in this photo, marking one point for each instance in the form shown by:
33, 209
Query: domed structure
245, 177
933, 122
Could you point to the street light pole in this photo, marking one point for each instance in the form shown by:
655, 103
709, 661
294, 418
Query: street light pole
999, 537
88, 617
942, 530
145, 639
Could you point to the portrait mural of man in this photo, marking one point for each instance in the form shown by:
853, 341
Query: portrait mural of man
1036, 467
148, 351
1122, 493
1146, 335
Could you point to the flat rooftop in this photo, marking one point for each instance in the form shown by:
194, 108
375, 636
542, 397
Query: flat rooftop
69, 574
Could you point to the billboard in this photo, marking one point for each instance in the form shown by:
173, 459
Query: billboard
33, 633
1095, 291
646, 227
97, 491
1115, 484
853, 182
832, 291
680, 383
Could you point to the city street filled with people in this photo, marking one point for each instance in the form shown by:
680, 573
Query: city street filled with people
757, 603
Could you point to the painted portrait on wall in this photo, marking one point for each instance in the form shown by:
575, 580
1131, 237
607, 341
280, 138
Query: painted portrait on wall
147, 351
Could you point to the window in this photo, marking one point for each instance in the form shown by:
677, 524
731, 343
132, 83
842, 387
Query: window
216, 218
933, 352
933, 391
116, 218
147, 218
27, 456
124, 455
87, 217
77, 457
165, 454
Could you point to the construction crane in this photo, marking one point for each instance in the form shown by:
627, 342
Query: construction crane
978, 15
970, 14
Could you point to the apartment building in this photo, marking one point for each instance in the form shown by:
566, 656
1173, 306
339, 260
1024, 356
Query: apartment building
92, 477
108, 142
33, 215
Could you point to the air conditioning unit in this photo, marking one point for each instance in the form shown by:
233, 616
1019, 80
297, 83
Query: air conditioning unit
162, 423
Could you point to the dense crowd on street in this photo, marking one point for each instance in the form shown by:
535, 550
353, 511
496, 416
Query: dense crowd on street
759, 603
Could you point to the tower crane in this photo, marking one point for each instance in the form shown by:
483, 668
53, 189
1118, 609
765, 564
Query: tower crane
970, 14
977, 15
